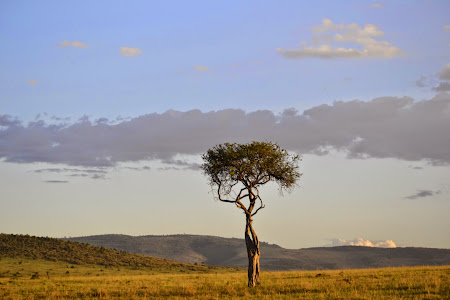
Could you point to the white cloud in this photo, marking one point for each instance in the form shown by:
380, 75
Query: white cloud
128, 51
387, 127
364, 37
32, 81
362, 242
446, 28
201, 68
376, 5
72, 44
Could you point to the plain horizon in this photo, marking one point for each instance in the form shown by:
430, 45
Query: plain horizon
358, 242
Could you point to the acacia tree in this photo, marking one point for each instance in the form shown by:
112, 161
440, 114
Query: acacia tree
237, 171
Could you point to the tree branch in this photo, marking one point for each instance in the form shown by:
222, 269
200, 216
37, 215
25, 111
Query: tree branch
236, 201
261, 206
220, 197
240, 205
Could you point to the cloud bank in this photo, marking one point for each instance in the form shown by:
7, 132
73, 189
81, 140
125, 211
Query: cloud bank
445, 72
363, 242
444, 76
423, 194
364, 37
386, 127
94, 173
56, 181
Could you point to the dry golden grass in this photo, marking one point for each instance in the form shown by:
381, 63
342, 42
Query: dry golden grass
91, 282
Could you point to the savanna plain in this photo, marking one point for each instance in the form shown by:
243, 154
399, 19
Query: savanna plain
42, 279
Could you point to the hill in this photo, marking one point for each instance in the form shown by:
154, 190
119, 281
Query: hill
57, 250
231, 252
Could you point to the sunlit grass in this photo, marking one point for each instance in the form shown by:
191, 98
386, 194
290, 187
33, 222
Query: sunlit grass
18, 268
90, 281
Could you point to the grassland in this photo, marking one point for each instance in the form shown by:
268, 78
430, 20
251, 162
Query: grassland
46, 268
40, 279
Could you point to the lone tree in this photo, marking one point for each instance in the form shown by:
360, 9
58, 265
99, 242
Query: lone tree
237, 171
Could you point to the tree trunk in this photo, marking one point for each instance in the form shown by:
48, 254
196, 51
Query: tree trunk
252, 242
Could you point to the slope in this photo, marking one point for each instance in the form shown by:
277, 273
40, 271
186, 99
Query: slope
231, 252
50, 249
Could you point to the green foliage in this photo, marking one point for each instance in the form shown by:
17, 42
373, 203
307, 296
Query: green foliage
252, 164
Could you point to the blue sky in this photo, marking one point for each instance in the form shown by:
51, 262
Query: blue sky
85, 88
235, 41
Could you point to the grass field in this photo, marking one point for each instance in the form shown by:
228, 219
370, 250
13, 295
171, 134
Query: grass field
40, 279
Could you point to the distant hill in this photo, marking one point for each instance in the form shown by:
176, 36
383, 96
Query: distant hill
51, 249
231, 252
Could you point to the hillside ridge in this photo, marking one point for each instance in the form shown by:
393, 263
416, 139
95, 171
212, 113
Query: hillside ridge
231, 252
79, 253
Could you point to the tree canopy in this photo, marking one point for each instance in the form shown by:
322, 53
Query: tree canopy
235, 168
